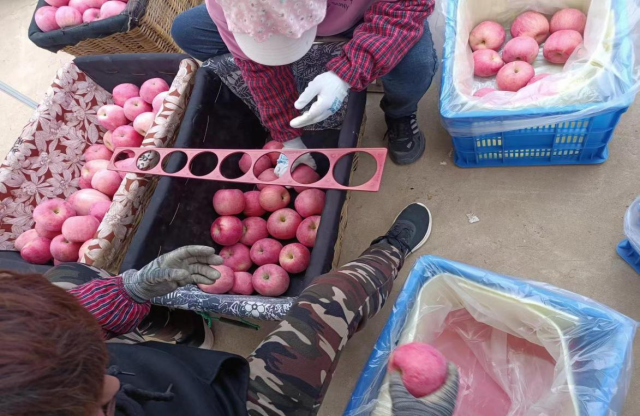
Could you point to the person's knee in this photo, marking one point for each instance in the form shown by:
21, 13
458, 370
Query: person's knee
180, 31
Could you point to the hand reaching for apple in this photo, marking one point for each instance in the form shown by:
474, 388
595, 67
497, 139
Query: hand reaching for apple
181, 267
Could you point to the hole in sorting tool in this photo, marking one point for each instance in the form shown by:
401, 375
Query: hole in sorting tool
148, 160
304, 174
174, 162
125, 154
230, 166
363, 167
203, 163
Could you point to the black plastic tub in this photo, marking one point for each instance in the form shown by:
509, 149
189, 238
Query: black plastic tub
181, 212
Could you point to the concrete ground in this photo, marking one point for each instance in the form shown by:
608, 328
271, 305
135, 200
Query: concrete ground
558, 225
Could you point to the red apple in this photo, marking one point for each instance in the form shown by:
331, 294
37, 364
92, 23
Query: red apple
304, 174
561, 45
157, 102
532, 24
83, 183
68, 16
274, 197
422, 367
307, 231
270, 280
126, 136
568, 19
487, 35
83, 200
45, 233
252, 206
273, 156
151, 88
267, 176
228, 202
106, 181
52, 214
80, 229
295, 258
538, 78
24, 238
107, 140
46, 18
242, 284
64, 250
486, 63
92, 167
236, 257
57, 3
522, 48
253, 229
514, 76
37, 251
112, 8
122, 92
283, 223
265, 251
80, 5
100, 209
111, 117
262, 164
143, 122
223, 284
483, 91
226, 230
310, 202
90, 15
135, 106
97, 152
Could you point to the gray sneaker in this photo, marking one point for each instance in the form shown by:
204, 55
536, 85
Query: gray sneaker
406, 141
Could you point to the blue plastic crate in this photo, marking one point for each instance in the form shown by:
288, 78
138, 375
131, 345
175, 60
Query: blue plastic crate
583, 141
599, 325
626, 251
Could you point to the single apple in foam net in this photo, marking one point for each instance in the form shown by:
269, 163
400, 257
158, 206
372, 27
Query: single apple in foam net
532, 24
152, 87
310, 202
157, 102
486, 63
143, 122
135, 106
514, 76
236, 257
106, 181
538, 78
92, 167
99, 210
242, 284
294, 258
97, 152
223, 284
422, 367
111, 116
126, 136
53, 213
226, 230
229, 202
253, 229
68, 16
263, 163
270, 280
80, 229
90, 15
123, 92
487, 35
24, 238
37, 251
112, 8
273, 145
304, 174
83, 200
483, 91
267, 176
45, 18
252, 206
308, 230
561, 45
522, 48
265, 251
568, 19
283, 224
80, 5
274, 197
64, 250
57, 3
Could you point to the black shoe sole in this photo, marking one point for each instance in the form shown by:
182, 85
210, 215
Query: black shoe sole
411, 158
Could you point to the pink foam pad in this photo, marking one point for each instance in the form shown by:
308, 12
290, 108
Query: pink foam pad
328, 182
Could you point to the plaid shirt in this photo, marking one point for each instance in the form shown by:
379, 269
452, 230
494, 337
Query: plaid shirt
389, 31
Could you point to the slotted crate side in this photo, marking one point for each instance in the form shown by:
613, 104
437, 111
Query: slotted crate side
628, 254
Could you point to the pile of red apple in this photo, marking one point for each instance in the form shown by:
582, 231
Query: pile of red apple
530, 30
63, 229
67, 13
264, 237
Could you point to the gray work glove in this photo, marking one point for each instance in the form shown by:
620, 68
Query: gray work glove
441, 402
184, 266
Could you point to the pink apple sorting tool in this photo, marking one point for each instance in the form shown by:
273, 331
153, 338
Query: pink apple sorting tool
149, 165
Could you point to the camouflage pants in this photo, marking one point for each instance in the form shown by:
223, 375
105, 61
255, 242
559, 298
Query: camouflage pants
292, 368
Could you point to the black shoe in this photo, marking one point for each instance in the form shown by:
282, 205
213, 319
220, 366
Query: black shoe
410, 230
406, 141
177, 326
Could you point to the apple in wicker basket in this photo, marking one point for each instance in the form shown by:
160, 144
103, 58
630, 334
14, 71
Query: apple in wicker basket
80, 229
229, 202
274, 197
253, 229
53, 213
83, 200
64, 250
310, 202
283, 223
308, 230
252, 206
226, 230
143, 122
242, 284
111, 117
236, 257
122, 92
45, 18
223, 284
270, 280
295, 258
152, 87
265, 251
135, 106
126, 136
68, 16
24, 238
97, 152
37, 251
112, 8
157, 102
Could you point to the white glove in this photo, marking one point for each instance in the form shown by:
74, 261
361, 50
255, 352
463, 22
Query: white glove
331, 91
283, 161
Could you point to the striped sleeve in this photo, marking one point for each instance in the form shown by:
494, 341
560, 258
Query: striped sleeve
389, 31
110, 304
